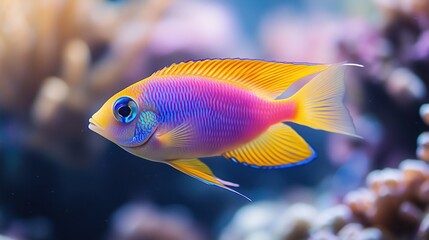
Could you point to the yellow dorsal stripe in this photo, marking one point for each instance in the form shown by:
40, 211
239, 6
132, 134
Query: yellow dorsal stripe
267, 78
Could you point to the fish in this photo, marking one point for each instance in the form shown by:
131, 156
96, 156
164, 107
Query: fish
226, 107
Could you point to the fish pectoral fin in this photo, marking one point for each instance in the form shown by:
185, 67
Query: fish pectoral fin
180, 136
197, 169
280, 146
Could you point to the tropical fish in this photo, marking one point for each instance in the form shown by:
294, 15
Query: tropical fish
228, 107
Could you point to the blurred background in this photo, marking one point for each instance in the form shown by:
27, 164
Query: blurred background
61, 59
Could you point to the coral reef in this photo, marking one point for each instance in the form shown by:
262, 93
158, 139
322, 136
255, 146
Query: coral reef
394, 202
59, 59
400, 49
393, 205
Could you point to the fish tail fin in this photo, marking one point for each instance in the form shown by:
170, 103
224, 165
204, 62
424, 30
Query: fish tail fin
319, 103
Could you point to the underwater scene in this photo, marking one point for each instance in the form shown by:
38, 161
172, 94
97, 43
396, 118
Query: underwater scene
254, 120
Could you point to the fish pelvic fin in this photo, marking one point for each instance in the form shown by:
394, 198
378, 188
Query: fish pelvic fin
279, 147
197, 169
268, 79
319, 103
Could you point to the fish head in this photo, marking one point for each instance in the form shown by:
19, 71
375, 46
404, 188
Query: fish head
125, 121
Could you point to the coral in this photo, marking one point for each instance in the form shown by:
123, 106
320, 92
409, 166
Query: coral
59, 59
424, 113
392, 206
144, 221
402, 47
423, 146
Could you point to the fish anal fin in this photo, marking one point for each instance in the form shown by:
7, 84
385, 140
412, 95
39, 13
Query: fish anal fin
280, 146
267, 78
180, 136
197, 169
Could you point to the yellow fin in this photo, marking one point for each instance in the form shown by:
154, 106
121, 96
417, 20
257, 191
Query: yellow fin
280, 146
180, 136
267, 78
197, 169
320, 103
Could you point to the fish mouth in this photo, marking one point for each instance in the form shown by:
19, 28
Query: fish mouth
94, 126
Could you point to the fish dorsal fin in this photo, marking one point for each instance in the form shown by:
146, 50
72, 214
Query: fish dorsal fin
280, 146
267, 78
197, 169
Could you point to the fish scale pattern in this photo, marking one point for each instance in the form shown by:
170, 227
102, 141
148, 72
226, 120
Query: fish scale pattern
222, 116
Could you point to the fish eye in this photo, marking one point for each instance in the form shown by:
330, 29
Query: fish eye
125, 109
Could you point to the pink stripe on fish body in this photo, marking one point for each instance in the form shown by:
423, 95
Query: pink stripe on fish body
222, 116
